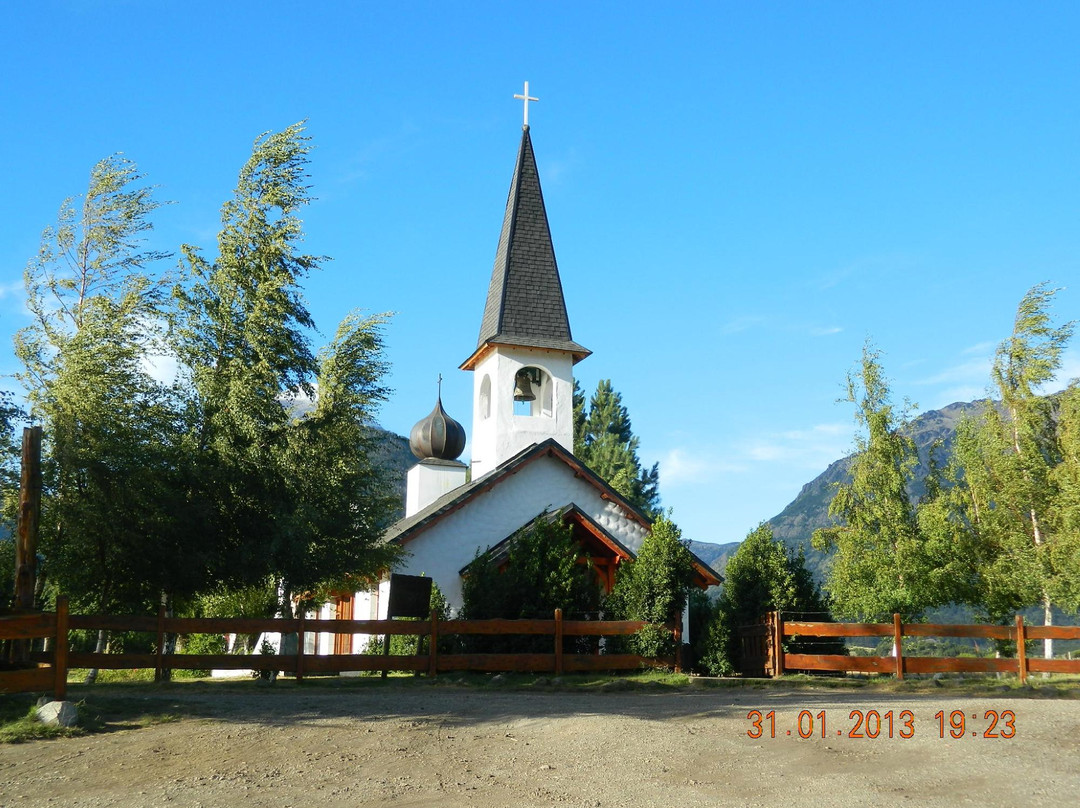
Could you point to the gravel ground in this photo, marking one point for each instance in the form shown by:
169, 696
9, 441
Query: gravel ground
446, 745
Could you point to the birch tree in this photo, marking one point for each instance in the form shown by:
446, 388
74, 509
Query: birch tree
1012, 486
96, 303
883, 561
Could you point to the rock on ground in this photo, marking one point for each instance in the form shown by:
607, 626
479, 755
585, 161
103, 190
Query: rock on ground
58, 714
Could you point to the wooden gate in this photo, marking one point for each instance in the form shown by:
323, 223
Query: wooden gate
757, 643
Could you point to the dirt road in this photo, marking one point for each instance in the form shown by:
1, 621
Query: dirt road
486, 747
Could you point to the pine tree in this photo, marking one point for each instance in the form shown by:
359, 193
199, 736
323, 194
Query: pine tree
345, 499
655, 587
242, 337
605, 442
762, 576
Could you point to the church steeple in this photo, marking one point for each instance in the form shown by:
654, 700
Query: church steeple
525, 305
524, 358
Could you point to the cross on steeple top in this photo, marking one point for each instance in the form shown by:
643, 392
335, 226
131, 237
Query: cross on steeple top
526, 98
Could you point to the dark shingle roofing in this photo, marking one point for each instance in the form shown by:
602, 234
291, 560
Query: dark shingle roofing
525, 304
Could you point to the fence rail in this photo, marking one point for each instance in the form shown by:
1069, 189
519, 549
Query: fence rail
762, 645
53, 665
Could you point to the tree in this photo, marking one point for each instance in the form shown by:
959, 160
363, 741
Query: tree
290, 498
344, 500
539, 574
883, 563
762, 576
107, 535
605, 442
655, 586
1017, 472
1064, 587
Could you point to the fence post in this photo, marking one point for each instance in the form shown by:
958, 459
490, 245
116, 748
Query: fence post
433, 645
60, 655
558, 643
160, 665
898, 650
300, 648
677, 634
1021, 651
778, 643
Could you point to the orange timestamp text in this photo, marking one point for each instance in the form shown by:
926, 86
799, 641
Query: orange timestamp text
874, 724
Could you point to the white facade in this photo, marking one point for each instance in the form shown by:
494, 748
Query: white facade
498, 431
450, 543
430, 479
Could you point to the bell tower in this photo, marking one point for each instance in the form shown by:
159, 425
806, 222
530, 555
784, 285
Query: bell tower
523, 363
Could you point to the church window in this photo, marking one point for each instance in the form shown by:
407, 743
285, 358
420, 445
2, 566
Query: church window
485, 397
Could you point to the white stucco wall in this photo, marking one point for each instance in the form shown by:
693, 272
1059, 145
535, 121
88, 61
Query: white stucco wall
498, 434
426, 482
443, 549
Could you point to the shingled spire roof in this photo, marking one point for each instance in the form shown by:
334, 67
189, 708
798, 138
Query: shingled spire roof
525, 305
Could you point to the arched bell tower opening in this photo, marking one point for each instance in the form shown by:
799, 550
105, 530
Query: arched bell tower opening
534, 393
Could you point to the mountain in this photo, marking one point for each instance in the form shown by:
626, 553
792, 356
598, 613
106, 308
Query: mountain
392, 452
810, 509
715, 555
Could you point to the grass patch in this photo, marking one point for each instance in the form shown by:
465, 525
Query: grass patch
19, 722
111, 677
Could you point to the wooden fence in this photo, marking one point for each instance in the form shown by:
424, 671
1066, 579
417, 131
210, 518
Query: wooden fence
53, 665
761, 641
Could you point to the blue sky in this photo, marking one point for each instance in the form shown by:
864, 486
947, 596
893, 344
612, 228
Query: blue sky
740, 194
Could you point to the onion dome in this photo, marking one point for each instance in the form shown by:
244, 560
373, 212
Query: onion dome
438, 436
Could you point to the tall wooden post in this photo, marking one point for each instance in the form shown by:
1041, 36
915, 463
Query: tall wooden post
1021, 651
898, 650
60, 655
778, 643
558, 643
29, 514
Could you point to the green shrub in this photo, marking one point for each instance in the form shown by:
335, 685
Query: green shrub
655, 586
541, 574
763, 576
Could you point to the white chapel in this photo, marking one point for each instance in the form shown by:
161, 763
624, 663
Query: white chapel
523, 462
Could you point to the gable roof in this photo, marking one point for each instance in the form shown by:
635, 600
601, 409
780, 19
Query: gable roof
410, 527
499, 552
525, 304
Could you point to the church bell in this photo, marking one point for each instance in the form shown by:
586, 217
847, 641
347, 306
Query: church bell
523, 387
